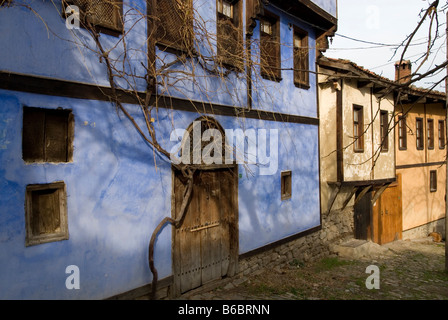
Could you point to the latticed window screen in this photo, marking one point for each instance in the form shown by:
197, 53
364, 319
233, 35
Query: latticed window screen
229, 33
301, 58
174, 19
101, 13
270, 48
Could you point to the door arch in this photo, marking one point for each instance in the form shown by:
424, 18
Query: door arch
205, 246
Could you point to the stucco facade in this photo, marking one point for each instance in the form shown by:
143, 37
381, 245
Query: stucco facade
118, 189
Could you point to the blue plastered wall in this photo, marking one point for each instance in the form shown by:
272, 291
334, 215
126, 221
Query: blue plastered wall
118, 189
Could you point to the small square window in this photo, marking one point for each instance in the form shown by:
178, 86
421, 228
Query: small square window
47, 135
286, 183
433, 180
46, 213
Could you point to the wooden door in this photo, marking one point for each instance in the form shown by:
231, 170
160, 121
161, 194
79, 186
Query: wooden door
389, 211
362, 215
205, 244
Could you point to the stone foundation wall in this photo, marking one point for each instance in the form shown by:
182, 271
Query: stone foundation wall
425, 230
337, 226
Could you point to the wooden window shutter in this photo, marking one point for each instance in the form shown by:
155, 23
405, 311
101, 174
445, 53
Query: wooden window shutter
101, 13
33, 138
270, 49
47, 135
46, 213
301, 58
229, 37
175, 23
56, 137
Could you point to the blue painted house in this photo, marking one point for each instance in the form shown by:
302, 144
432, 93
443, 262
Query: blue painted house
83, 84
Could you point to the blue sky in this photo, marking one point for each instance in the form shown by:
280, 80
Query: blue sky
385, 23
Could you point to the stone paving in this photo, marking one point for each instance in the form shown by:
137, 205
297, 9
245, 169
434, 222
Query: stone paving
408, 270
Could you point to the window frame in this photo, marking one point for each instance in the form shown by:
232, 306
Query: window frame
441, 134
299, 62
116, 30
402, 133
286, 185
433, 180
270, 72
430, 133
236, 22
170, 46
35, 134
384, 130
31, 238
358, 129
419, 134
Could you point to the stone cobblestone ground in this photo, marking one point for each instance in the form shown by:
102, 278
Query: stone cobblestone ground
409, 270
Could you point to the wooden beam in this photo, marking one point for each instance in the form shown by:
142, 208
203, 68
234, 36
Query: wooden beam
349, 197
363, 192
333, 196
379, 192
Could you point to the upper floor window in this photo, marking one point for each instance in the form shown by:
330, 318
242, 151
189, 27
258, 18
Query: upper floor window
441, 134
419, 133
301, 58
402, 133
47, 135
270, 47
230, 33
104, 15
174, 23
358, 125
384, 124
430, 129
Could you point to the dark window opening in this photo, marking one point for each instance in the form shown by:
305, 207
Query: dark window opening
47, 135
430, 133
358, 128
286, 182
384, 124
433, 180
419, 133
441, 134
402, 133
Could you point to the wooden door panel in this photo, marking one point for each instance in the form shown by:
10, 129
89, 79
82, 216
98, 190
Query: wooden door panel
202, 244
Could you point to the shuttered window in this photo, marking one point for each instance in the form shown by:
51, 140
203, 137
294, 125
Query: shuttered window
384, 125
174, 23
103, 14
46, 213
430, 133
402, 133
47, 135
441, 134
358, 128
419, 133
301, 58
229, 33
270, 47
